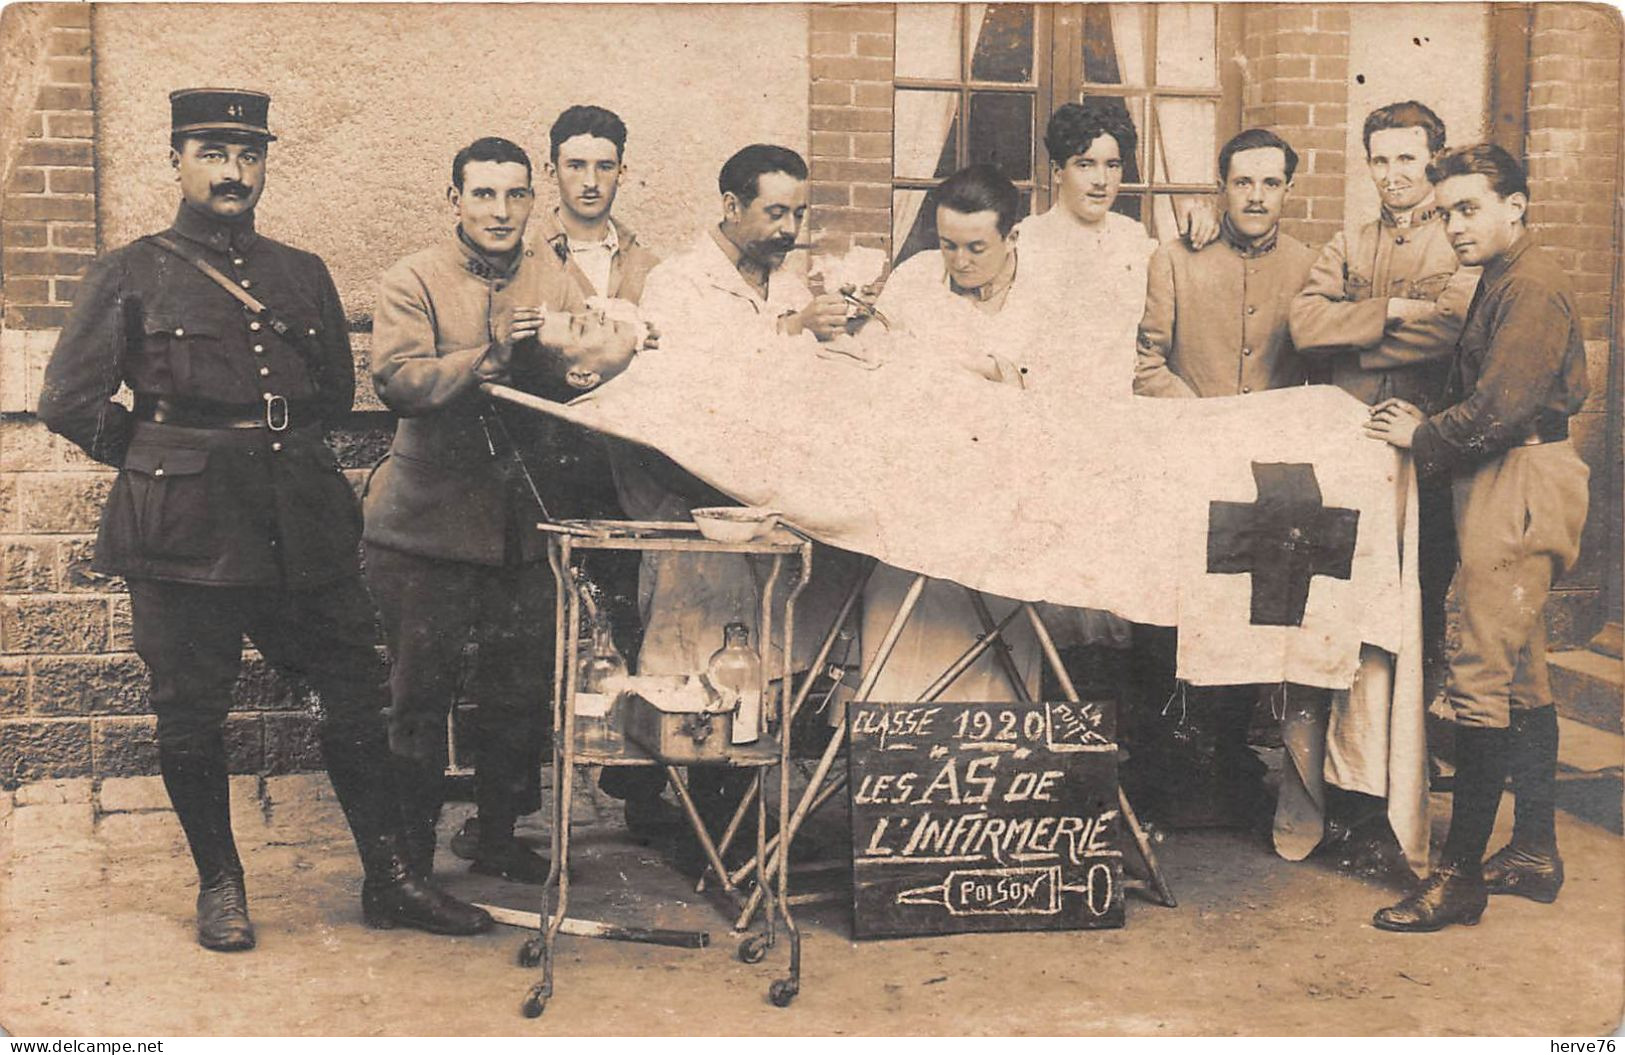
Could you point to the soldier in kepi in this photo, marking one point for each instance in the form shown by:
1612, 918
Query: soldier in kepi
229, 515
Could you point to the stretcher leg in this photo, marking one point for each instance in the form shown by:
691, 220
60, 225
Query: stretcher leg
787, 832
1142, 842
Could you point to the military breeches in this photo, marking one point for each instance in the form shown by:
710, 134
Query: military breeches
431, 610
1518, 523
191, 638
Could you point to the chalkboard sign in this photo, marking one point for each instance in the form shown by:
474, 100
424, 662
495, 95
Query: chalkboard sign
984, 817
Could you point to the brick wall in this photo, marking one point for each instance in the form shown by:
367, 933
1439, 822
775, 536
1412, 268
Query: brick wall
1572, 147
72, 691
851, 125
1296, 82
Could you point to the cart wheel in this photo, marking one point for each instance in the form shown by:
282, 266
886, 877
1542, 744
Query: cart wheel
782, 992
530, 953
535, 1003
752, 949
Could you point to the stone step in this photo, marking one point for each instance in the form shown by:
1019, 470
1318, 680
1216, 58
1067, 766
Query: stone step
1589, 688
1585, 749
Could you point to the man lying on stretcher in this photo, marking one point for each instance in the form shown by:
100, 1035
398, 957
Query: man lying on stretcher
586, 349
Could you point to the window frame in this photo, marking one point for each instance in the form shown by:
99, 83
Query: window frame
1058, 79
1070, 86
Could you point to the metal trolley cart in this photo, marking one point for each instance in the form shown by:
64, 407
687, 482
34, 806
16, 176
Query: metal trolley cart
782, 547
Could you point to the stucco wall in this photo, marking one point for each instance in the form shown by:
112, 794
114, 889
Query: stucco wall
1436, 53
372, 101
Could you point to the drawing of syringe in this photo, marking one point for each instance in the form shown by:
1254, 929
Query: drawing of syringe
995, 892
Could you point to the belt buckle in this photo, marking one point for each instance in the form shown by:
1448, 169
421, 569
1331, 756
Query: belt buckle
276, 413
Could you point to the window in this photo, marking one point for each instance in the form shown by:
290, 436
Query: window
971, 86
1160, 64
977, 83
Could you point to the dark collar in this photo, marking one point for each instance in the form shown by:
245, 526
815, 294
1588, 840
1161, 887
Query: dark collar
1501, 264
1247, 247
195, 226
482, 265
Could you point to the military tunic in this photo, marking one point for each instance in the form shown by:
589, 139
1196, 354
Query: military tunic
222, 531
237, 507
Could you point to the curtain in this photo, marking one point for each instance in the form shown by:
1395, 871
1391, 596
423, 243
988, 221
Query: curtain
927, 46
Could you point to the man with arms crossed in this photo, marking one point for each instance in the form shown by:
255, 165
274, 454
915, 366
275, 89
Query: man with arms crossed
1379, 318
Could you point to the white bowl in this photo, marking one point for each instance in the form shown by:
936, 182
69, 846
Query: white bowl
734, 523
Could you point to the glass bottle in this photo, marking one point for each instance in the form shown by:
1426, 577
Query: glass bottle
602, 673
736, 671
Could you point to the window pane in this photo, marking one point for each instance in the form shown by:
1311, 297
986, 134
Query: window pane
1004, 48
1134, 107
928, 41
1187, 45
1186, 130
1113, 43
925, 134
1001, 132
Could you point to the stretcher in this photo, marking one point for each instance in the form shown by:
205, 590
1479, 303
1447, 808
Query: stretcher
771, 861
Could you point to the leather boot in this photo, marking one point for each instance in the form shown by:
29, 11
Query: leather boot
1525, 873
1452, 894
195, 777
499, 853
507, 782
421, 790
393, 894
1529, 866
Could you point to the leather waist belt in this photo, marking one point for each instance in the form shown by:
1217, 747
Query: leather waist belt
1548, 432
277, 413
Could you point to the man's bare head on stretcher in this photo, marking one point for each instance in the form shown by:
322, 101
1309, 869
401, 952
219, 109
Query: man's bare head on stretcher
592, 346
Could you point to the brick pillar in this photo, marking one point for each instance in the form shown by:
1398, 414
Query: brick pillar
1297, 84
851, 118
1572, 150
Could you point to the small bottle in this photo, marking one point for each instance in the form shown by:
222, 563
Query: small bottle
601, 673
736, 671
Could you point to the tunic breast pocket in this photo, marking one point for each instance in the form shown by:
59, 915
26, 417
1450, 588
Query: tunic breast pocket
1356, 286
188, 344
169, 497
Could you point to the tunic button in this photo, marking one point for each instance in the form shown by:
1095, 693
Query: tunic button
276, 446
265, 371
1251, 309
237, 261
255, 325
1400, 240
259, 349
245, 283
157, 472
1245, 389
1246, 351
179, 332
311, 331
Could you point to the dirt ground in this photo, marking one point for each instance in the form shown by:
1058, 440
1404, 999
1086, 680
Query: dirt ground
96, 918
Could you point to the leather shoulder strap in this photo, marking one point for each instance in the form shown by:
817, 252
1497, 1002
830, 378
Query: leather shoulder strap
247, 299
